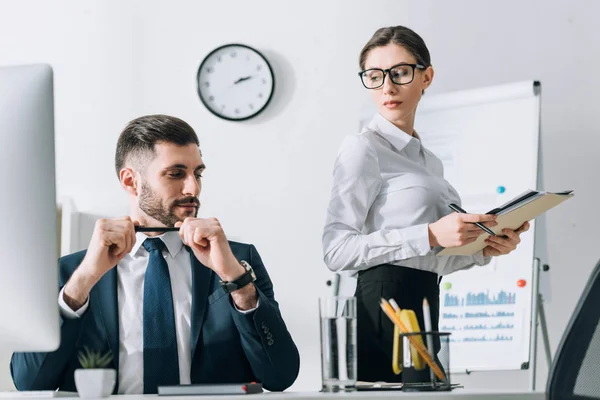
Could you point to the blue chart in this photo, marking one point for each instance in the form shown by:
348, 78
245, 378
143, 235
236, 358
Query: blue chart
450, 316
480, 299
490, 316
486, 314
447, 328
497, 338
482, 326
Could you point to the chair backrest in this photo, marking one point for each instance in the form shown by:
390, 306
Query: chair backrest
575, 371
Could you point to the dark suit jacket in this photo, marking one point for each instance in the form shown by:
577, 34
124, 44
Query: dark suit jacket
227, 346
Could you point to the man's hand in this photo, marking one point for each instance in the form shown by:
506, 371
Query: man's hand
458, 229
111, 241
498, 246
210, 246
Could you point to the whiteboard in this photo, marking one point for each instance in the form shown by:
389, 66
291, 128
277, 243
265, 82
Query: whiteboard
488, 141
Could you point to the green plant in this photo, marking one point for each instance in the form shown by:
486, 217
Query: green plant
94, 359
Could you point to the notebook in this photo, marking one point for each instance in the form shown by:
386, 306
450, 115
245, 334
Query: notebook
210, 389
511, 215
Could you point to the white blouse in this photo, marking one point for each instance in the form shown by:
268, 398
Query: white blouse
387, 188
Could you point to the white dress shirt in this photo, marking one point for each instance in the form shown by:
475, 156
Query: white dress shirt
387, 189
130, 291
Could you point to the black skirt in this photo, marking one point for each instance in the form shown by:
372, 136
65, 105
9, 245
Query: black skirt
408, 286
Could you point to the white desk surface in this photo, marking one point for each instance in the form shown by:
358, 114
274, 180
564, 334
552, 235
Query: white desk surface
456, 394
367, 395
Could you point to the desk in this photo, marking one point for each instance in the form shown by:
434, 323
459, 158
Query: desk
457, 394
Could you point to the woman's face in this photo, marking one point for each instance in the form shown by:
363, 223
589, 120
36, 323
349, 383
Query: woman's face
397, 103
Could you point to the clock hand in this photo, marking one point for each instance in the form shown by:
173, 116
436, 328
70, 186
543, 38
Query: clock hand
245, 78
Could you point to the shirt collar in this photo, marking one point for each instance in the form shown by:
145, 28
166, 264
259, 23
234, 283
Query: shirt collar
390, 132
172, 241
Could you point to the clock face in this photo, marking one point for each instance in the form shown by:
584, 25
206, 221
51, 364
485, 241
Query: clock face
235, 82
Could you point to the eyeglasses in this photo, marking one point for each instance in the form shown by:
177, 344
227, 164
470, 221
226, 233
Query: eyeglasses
401, 74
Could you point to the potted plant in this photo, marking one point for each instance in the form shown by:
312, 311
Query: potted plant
93, 379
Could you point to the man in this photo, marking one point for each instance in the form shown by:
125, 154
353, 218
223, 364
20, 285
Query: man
173, 308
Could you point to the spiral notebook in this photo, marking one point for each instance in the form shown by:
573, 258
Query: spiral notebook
514, 213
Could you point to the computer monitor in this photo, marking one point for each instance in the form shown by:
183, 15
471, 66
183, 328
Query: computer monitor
29, 314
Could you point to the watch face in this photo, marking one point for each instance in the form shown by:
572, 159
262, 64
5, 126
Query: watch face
235, 82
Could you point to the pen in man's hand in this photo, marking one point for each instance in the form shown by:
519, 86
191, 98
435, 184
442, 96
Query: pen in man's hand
156, 229
479, 224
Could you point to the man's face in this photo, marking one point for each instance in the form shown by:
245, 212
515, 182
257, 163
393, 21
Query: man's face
171, 183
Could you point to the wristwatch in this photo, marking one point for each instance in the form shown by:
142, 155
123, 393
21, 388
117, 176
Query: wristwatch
248, 277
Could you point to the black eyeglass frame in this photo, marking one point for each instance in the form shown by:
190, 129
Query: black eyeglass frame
385, 72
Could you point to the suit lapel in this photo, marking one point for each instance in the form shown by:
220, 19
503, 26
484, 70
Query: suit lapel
106, 298
201, 278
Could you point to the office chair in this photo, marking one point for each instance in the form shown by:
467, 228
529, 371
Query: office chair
575, 372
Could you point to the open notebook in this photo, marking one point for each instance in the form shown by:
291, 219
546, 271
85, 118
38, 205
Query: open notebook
512, 215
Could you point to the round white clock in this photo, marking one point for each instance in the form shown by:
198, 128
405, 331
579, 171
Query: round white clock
235, 82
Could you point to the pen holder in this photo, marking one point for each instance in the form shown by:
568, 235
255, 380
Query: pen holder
425, 372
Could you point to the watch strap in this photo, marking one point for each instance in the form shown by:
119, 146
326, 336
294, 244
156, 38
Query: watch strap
245, 279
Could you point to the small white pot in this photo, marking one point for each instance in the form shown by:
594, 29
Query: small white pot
95, 383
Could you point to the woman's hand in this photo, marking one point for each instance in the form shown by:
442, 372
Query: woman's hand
458, 229
497, 245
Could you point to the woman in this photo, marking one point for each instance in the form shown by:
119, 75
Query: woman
389, 203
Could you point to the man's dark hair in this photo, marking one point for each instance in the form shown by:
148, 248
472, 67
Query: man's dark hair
140, 135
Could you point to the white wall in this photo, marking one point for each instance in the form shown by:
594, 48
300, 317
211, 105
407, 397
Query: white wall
268, 179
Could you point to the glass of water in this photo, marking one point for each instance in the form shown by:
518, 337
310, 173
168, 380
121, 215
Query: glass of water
338, 343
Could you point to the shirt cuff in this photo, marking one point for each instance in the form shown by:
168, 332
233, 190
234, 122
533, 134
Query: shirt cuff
247, 311
66, 311
480, 260
415, 240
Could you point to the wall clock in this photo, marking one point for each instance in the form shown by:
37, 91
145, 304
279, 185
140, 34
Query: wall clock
235, 82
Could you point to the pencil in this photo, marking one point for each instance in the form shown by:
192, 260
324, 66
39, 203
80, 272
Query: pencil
394, 305
156, 229
396, 348
391, 314
428, 329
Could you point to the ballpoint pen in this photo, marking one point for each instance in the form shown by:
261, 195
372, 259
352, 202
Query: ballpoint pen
479, 224
156, 229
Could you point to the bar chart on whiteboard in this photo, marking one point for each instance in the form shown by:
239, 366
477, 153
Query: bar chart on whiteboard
487, 321
481, 318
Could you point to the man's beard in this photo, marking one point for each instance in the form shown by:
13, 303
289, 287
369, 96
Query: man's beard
152, 205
